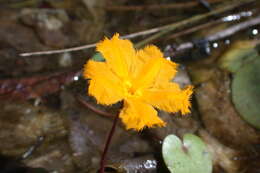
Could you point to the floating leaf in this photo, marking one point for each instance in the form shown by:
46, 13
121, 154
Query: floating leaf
241, 53
98, 57
189, 156
246, 92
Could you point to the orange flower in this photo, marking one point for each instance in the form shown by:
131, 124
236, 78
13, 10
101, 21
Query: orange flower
141, 78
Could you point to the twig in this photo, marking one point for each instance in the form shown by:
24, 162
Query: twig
222, 34
157, 6
58, 51
166, 29
193, 29
73, 49
232, 30
237, 16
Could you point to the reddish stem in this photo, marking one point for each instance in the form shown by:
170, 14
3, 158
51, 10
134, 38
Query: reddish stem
103, 157
93, 108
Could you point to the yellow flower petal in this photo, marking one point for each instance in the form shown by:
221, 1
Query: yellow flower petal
155, 70
170, 98
119, 55
149, 52
138, 115
168, 68
104, 85
166, 73
148, 73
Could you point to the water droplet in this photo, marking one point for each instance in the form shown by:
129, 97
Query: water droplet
207, 50
215, 45
37, 102
235, 158
75, 78
254, 31
150, 164
227, 42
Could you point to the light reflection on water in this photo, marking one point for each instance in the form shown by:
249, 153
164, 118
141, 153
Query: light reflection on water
150, 164
238, 16
255, 31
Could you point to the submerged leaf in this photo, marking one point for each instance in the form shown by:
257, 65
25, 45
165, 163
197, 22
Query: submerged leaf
246, 92
189, 156
240, 54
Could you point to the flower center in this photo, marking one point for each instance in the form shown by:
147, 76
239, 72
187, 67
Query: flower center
130, 91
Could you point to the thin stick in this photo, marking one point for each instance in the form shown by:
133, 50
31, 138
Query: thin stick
233, 29
222, 34
73, 49
210, 23
166, 29
58, 51
193, 29
157, 6
103, 157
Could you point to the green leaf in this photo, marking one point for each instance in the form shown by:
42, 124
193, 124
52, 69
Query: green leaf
191, 156
246, 92
240, 54
98, 57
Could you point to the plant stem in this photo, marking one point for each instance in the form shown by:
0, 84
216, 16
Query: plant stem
103, 157
93, 108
